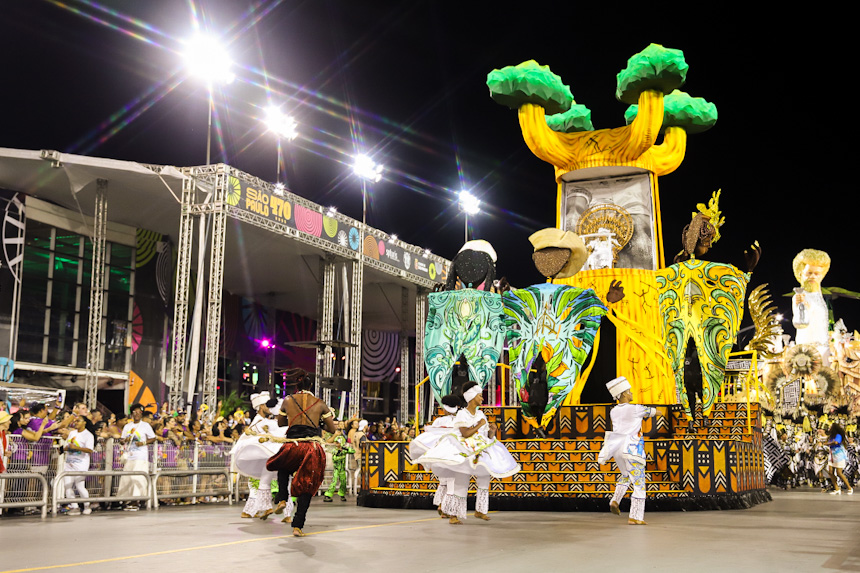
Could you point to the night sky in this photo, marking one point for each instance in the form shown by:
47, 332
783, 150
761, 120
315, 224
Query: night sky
405, 82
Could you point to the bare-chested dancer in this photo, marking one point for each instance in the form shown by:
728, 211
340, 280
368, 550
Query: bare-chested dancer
303, 454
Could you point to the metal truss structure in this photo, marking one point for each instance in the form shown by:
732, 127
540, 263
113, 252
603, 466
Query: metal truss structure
353, 357
183, 281
404, 357
325, 325
215, 179
97, 279
216, 288
420, 318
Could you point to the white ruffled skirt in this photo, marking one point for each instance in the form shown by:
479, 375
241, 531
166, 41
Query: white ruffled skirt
476, 455
249, 456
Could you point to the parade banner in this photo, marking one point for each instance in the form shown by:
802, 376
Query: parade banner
311, 219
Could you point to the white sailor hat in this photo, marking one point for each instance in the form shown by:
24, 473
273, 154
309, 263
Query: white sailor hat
258, 400
617, 386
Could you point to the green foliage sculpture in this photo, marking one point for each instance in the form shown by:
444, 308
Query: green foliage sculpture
654, 68
529, 82
680, 109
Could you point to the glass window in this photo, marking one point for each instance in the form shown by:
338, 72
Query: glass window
119, 280
120, 255
66, 287
67, 244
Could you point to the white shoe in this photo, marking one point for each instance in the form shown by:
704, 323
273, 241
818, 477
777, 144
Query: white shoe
836, 492
850, 491
74, 511
87, 511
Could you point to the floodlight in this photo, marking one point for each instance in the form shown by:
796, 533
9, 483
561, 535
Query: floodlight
367, 169
282, 124
469, 204
207, 59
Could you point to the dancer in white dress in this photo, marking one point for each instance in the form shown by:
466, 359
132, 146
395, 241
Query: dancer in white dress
429, 438
471, 449
249, 457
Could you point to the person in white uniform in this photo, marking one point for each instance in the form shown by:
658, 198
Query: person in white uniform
249, 457
136, 435
426, 440
78, 447
626, 445
470, 449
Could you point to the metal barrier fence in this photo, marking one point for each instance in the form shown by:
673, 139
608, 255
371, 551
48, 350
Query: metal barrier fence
192, 470
30, 469
59, 486
36, 474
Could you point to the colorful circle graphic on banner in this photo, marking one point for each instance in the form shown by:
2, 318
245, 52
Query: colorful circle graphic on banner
309, 221
370, 249
330, 226
381, 247
431, 270
354, 238
234, 192
342, 239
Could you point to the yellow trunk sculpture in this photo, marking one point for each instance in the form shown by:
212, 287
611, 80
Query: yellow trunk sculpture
640, 355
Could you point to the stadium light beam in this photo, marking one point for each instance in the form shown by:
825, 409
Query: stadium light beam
367, 170
206, 59
284, 127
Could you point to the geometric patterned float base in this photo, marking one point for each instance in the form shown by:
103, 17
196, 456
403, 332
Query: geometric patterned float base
713, 466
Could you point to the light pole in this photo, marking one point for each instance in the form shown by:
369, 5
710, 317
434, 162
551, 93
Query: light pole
469, 205
208, 60
367, 170
284, 127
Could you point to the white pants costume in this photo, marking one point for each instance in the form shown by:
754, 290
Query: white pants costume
632, 472
78, 483
446, 483
454, 503
133, 485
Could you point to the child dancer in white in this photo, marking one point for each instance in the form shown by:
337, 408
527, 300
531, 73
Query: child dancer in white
626, 445
471, 449
429, 438
249, 456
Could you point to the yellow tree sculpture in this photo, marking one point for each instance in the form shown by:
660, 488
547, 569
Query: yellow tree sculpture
559, 131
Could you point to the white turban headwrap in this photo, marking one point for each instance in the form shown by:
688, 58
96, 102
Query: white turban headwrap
472, 392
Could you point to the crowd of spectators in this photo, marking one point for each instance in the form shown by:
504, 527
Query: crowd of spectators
42, 427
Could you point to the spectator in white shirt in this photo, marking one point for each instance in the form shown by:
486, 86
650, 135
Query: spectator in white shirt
136, 435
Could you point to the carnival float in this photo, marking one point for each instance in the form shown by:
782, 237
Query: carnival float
673, 328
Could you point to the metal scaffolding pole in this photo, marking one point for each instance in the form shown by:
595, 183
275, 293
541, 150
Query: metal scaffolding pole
325, 327
180, 304
97, 278
420, 319
353, 361
216, 288
404, 355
